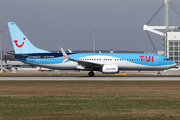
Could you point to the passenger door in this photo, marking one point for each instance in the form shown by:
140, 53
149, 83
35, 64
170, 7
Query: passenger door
38, 59
156, 60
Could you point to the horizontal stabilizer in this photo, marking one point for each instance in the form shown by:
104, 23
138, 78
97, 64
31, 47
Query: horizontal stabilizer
17, 55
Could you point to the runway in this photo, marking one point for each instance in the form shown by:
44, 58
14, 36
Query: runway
73, 75
119, 78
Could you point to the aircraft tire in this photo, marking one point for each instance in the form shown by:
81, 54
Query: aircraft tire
91, 73
159, 74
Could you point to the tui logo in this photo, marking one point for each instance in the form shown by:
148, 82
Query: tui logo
15, 41
151, 58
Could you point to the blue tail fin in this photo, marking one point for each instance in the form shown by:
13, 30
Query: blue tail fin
21, 43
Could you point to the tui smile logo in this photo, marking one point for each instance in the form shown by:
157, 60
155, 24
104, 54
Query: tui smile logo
17, 43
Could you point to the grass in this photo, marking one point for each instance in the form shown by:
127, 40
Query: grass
92, 100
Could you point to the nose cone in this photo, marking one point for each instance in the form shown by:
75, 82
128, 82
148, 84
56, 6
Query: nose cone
173, 63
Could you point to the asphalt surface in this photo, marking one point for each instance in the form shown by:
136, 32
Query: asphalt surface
120, 78
73, 75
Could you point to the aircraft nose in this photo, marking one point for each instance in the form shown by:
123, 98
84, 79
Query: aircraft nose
173, 63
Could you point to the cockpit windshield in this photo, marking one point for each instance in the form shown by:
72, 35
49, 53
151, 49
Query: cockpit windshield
166, 59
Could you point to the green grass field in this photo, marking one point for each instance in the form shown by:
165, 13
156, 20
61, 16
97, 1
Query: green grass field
92, 100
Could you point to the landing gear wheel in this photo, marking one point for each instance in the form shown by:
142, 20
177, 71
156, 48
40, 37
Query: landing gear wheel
159, 74
91, 73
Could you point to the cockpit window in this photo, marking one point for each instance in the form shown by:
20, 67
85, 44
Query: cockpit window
166, 59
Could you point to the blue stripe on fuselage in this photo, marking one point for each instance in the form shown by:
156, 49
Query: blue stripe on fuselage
45, 55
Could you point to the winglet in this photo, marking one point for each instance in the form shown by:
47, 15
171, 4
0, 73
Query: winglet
69, 51
64, 54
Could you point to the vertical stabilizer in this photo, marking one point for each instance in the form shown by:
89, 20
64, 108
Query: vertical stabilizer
20, 42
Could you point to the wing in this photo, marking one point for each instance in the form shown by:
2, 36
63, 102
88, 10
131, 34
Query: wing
85, 64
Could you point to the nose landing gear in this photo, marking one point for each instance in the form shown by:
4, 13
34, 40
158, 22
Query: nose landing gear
159, 74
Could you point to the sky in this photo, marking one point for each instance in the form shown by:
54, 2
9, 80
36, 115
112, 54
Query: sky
50, 24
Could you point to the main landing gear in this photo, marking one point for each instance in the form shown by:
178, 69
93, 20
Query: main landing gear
91, 73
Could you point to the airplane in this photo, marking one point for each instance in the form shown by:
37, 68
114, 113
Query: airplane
107, 63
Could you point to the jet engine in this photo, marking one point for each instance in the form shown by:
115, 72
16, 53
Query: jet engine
110, 69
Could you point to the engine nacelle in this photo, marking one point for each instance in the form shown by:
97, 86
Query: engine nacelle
110, 69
